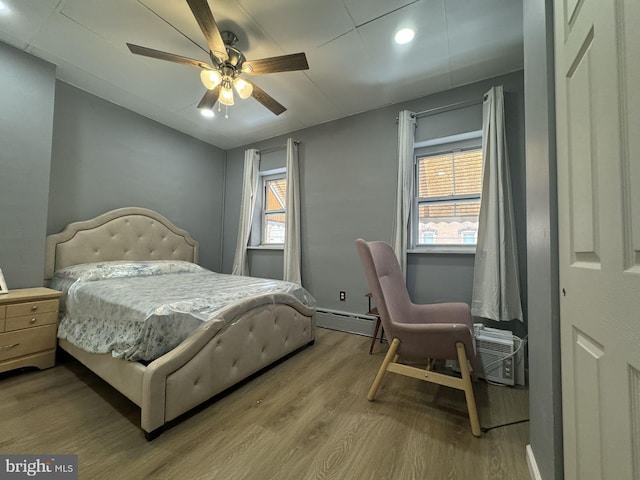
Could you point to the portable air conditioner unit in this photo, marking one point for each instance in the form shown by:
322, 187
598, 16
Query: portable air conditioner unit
495, 348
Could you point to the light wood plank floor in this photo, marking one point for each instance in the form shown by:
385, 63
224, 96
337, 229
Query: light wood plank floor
307, 418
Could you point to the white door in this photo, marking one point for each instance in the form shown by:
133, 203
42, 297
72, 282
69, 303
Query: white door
598, 133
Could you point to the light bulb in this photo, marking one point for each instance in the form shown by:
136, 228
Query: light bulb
226, 96
244, 88
206, 112
210, 78
404, 36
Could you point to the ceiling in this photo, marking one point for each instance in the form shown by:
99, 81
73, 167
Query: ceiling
354, 65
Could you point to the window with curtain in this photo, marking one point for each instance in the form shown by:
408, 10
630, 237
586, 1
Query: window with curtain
274, 206
448, 183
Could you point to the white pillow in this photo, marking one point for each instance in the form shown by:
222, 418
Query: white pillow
121, 269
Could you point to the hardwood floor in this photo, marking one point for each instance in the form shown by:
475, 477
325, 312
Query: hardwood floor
307, 418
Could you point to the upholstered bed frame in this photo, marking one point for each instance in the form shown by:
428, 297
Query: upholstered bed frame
208, 361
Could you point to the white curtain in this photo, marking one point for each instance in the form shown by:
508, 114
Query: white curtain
292, 217
404, 193
249, 192
496, 288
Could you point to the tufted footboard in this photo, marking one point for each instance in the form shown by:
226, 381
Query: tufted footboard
258, 338
206, 363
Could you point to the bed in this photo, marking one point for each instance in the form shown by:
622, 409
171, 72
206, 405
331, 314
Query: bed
246, 337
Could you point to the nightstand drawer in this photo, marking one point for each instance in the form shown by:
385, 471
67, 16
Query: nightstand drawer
28, 321
23, 342
29, 308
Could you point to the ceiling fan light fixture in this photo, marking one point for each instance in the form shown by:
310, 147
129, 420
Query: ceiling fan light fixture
227, 64
226, 96
244, 88
207, 112
210, 78
404, 36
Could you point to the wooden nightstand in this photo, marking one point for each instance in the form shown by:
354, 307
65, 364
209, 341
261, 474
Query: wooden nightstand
28, 327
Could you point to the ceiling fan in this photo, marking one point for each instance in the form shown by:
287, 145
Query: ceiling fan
228, 63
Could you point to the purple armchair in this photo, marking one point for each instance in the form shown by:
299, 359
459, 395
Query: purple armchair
436, 331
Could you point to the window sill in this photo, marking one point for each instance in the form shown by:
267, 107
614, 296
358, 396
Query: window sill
445, 249
266, 247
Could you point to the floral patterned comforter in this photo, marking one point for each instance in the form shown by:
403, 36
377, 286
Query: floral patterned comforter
142, 310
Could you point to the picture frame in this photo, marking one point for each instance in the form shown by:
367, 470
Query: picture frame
3, 284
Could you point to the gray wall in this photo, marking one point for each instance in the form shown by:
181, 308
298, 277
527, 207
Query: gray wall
348, 182
545, 394
26, 124
107, 157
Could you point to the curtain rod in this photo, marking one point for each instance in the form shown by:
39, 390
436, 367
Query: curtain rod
452, 106
276, 148
447, 108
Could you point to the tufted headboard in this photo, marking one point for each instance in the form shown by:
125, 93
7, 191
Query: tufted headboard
130, 233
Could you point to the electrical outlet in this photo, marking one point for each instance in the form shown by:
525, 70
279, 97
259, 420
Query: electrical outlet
343, 296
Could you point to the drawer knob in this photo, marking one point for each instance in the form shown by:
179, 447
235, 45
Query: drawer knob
34, 308
33, 320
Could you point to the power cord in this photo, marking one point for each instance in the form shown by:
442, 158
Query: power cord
486, 429
520, 342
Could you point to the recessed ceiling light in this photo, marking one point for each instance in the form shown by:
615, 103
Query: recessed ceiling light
404, 36
3, 8
207, 112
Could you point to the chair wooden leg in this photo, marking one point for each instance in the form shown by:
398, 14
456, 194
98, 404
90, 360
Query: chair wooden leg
383, 368
468, 390
375, 335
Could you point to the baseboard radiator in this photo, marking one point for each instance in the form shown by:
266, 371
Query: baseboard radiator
360, 324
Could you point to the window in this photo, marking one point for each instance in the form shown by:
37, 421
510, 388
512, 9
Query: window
469, 238
429, 238
274, 204
447, 201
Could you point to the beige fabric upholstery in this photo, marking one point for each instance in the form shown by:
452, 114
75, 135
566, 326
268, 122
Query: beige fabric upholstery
257, 339
206, 363
126, 377
209, 360
125, 234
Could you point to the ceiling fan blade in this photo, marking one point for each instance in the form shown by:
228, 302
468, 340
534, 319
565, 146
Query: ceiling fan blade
267, 100
283, 63
170, 57
210, 98
204, 17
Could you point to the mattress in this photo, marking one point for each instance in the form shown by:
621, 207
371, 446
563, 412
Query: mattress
139, 311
